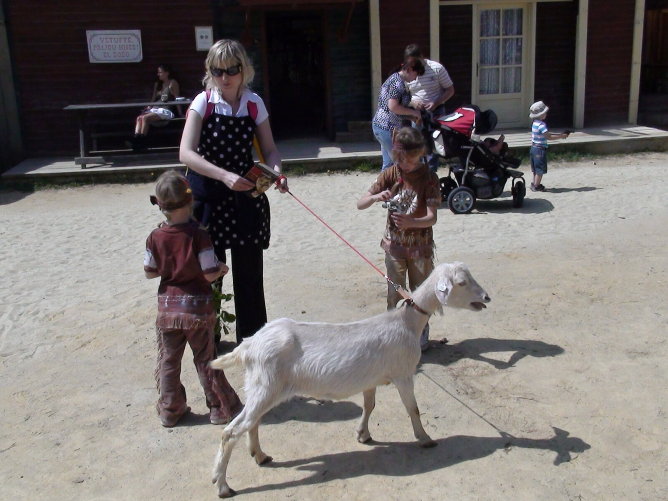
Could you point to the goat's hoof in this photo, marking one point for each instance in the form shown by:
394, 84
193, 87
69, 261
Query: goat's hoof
264, 459
226, 492
428, 444
363, 437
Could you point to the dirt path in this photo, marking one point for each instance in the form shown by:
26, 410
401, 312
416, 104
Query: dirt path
557, 391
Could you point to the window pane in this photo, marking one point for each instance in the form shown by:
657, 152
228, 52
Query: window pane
489, 81
489, 52
512, 22
512, 80
512, 51
489, 23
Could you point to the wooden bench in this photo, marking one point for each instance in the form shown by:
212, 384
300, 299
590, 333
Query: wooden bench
116, 127
123, 129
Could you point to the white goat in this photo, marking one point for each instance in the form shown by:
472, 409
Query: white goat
334, 361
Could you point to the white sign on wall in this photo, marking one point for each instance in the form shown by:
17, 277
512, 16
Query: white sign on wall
203, 37
114, 46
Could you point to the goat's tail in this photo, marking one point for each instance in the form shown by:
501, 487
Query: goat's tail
228, 360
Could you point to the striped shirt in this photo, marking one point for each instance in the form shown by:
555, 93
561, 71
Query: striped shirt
430, 86
538, 130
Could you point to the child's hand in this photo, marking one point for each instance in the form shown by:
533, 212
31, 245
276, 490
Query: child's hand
383, 196
223, 269
402, 221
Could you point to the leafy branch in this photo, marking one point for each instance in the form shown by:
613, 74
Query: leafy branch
224, 317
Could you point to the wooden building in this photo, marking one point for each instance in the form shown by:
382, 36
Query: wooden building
320, 63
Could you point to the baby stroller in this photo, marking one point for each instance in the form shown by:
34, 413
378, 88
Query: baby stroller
484, 166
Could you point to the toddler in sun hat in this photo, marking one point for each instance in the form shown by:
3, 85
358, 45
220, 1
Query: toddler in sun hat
539, 136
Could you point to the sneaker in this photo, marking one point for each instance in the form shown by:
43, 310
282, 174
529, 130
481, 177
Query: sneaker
424, 338
533, 187
540, 187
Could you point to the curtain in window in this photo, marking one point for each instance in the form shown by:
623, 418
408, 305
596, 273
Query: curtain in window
500, 69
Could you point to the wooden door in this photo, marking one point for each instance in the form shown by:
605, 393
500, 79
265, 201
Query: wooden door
501, 61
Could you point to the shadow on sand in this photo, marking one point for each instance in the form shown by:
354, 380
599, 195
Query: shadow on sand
310, 410
405, 459
568, 190
445, 354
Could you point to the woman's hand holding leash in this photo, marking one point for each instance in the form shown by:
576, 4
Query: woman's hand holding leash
282, 184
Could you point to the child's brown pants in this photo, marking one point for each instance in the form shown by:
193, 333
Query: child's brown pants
172, 402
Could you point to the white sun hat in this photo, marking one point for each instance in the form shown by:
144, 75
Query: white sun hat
537, 109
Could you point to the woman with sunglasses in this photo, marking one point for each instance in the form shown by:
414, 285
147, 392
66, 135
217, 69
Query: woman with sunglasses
216, 146
166, 88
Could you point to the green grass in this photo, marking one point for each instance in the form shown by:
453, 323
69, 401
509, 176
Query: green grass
572, 156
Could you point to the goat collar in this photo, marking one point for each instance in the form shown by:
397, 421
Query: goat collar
410, 302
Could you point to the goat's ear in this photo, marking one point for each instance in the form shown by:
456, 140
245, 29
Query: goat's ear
443, 290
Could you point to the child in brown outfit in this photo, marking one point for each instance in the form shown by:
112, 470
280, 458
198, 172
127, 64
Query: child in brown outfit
411, 192
181, 254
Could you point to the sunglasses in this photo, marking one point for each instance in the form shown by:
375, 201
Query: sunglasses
231, 71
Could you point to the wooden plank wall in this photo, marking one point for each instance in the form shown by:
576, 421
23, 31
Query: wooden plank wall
610, 42
402, 23
555, 60
50, 59
347, 59
457, 51
349, 67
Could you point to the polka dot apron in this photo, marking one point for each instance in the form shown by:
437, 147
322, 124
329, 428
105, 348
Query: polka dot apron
237, 218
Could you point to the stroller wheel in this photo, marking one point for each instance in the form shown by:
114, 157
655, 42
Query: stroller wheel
519, 191
447, 185
461, 200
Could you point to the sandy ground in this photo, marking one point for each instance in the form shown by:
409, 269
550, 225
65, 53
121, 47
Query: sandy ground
557, 391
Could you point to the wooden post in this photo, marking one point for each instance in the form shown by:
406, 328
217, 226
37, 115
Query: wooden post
11, 144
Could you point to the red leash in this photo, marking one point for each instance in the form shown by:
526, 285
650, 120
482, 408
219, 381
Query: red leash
397, 287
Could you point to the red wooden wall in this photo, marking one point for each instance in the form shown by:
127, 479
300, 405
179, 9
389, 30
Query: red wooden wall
609, 46
556, 25
402, 23
457, 51
50, 59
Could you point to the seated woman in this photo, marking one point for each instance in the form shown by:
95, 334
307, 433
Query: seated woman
165, 89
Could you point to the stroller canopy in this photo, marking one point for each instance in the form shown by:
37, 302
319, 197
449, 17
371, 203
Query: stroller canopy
469, 118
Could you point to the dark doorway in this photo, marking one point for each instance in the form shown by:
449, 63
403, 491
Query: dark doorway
295, 63
653, 102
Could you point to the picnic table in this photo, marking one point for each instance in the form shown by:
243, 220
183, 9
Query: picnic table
84, 112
